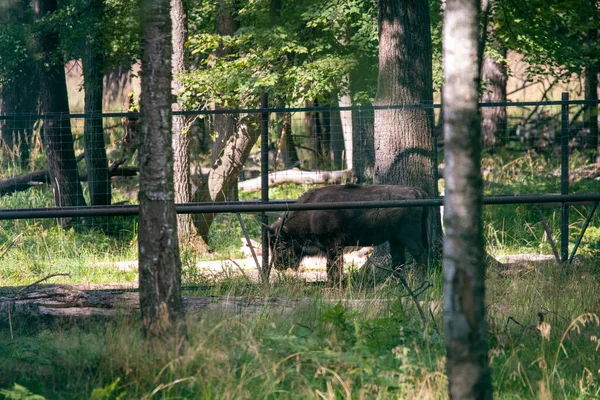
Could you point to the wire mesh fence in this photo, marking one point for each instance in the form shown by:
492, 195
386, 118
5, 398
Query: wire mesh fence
69, 200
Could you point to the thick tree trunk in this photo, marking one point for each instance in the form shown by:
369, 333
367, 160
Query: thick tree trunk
464, 256
403, 138
494, 76
404, 148
57, 136
181, 137
159, 260
93, 132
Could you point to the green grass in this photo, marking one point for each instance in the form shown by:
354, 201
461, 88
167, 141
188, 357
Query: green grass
517, 228
300, 341
371, 346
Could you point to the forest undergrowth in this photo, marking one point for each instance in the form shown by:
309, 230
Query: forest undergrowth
364, 341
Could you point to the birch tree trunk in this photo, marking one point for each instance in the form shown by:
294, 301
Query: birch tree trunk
464, 257
161, 303
346, 122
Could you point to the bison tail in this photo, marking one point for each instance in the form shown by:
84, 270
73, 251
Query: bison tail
424, 229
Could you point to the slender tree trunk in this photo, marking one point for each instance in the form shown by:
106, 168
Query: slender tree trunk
494, 76
161, 303
464, 256
591, 112
323, 121
363, 147
346, 122
181, 137
287, 147
93, 133
226, 25
336, 136
57, 136
221, 182
311, 142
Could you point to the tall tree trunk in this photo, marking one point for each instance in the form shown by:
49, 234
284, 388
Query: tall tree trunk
323, 121
591, 112
287, 147
363, 147
93, 133
346, 122
363, 130
403, 137
181, 137
311, 142
404, 148
336, 137
464, 256
161, 303
226, 25
494, 77
57, 136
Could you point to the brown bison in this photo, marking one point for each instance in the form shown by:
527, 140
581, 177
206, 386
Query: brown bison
302, 233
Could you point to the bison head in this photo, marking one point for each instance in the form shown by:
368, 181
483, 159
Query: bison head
285, 251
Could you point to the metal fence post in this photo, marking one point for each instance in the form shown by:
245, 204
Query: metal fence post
564, 176
264, 184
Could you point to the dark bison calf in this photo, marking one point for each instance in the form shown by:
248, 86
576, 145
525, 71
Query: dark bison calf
327, 232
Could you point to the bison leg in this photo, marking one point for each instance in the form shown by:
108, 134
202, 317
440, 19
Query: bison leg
335, 266
397, 252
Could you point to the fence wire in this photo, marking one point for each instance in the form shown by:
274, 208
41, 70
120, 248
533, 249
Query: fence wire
46, 174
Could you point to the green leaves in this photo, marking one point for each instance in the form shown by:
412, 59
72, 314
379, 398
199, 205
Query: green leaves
556, 37
303, 57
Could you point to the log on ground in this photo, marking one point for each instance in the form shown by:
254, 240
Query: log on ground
297, 176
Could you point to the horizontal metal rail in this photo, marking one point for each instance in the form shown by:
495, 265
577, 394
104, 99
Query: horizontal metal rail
279, 206
50, 115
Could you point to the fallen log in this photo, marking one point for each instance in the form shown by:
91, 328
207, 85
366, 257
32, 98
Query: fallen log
296, 176
42, 177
